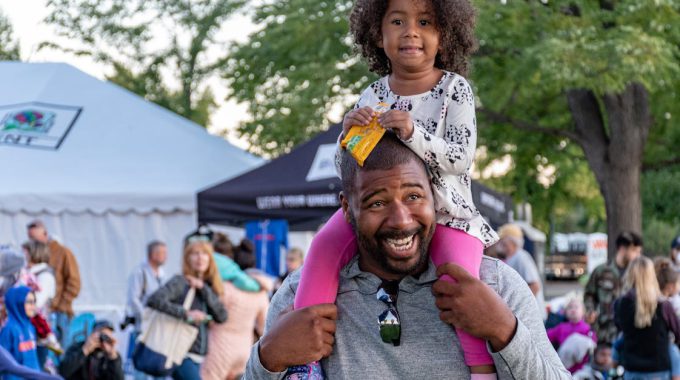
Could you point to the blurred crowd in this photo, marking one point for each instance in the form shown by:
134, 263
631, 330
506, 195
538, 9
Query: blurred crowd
41, 338
625, 324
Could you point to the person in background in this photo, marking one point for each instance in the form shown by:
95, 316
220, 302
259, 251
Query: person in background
668, 278
222, 245
509, 249
228, 269
294, 260
604, 286
600, 366
229, 343
199, 271
67, 277
675, 252
645, 321
144, 280
96, 358
18, 335
40, 278
573, 325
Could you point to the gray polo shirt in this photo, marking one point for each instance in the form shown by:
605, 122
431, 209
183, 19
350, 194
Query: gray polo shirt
524, 264
429, 347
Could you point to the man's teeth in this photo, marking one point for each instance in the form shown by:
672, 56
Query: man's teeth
400, 244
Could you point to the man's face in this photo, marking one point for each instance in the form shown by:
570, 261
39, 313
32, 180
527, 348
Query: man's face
38, 233
159, 255
630, 253
293, 261
505, 248
392, 213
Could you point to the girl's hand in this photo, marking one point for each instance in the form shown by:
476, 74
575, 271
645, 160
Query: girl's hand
399, 122
359, 116
194, 282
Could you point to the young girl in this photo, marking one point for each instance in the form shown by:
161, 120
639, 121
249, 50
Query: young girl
199, 272
573, 325
420, 48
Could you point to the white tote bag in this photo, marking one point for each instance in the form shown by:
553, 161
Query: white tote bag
169, 336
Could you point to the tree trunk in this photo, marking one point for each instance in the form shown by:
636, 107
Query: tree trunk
615, 153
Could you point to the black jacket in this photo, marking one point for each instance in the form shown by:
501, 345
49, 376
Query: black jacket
646, 349
170, 298
76, 366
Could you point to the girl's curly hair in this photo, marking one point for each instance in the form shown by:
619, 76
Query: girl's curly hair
455, 21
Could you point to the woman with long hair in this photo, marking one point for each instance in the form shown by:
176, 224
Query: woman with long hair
646, 321
199, 272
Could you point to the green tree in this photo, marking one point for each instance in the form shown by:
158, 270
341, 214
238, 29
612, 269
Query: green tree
150, 43
9, 49
295, 71
599, 75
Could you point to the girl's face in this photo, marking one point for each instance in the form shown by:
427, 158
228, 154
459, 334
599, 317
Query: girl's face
574, 311
409, 36
29, 305
199, 260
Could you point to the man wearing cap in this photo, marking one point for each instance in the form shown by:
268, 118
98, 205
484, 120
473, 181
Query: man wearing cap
509, 249
393, 317
96, 358
604, 286
66, 274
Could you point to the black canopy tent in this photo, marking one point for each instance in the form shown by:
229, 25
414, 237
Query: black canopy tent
302, 188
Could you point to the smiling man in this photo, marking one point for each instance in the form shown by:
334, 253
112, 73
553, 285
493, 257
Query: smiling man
394, 319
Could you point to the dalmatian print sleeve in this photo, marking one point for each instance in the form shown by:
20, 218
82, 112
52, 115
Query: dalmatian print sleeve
455, 139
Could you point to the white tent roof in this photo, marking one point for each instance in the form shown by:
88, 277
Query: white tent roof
97, 147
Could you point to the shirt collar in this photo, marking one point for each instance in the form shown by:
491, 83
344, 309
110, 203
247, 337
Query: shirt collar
352, 278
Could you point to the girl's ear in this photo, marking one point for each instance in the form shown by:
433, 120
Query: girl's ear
379, 43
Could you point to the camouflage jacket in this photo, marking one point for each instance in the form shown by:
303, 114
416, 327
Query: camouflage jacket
602, 289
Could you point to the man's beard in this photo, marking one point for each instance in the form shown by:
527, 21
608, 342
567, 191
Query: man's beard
374, 249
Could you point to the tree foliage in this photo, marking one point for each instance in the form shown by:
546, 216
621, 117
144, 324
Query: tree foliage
164, 50
295, 71
9, 49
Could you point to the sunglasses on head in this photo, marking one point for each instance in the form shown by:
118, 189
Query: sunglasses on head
388, 320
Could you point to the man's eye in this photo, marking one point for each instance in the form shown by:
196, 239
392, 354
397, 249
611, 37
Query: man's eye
376, 204
414, 197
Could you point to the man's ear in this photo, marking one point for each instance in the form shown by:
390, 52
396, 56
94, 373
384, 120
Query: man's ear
344, 203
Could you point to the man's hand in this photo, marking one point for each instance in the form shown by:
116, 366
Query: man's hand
299, 337
399, 122
359, 116
92, 343
109, 346
473, 306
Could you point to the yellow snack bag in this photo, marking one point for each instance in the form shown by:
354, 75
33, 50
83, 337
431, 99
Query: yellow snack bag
361, 140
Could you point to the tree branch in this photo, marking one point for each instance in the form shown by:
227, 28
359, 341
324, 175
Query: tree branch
526, 126
661, 164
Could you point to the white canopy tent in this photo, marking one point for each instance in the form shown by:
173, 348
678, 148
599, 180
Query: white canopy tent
104, 169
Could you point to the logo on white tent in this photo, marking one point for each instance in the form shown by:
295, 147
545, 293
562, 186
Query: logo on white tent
36, 125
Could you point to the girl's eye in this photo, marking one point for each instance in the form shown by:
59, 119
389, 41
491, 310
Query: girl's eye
424, 22
397, 22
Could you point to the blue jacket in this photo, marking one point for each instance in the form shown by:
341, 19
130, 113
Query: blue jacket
18, 335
